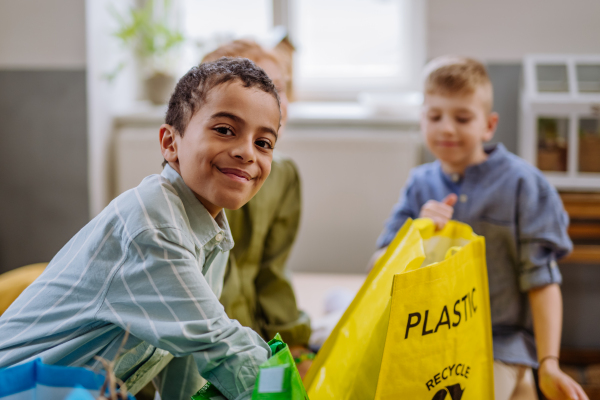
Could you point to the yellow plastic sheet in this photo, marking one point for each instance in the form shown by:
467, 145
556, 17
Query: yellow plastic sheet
420, 326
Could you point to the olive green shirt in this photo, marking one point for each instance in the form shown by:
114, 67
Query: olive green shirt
258, 291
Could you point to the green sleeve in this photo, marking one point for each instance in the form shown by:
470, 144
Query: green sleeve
275, 295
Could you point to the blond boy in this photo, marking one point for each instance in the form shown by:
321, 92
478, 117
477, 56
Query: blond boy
510, 203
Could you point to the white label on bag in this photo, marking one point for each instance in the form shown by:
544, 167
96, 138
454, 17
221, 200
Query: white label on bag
271, 380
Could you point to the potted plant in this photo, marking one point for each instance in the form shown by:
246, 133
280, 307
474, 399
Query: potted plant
149, 32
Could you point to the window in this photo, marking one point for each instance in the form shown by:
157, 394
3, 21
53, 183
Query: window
348, 46
344, 47
207, 19
208, 23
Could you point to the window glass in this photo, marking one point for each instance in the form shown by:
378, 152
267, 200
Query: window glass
588, 78
349, 38
341, 45
589, 145
552, 78
552, 144
210, 23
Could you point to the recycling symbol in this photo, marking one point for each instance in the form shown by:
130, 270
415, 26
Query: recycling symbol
454, 391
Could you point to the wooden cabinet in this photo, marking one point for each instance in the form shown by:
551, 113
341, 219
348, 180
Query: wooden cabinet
584, 229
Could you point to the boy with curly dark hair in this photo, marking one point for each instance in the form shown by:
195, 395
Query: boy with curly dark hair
152, 262
257, 289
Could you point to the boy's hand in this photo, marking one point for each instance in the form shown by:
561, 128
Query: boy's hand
439, 212
556, 385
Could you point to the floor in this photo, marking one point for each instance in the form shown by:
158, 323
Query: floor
314, 289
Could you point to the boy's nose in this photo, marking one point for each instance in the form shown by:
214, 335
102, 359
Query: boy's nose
244, 151
447, 126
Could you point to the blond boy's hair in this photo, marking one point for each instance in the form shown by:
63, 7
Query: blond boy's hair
455, 75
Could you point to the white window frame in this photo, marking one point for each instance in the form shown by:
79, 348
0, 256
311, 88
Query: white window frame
328, 89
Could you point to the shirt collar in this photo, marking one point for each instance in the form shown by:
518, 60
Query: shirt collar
453, 180
496, 154
208, 230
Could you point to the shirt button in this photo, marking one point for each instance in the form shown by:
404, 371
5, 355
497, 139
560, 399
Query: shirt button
219, 237
455, 177
463, 198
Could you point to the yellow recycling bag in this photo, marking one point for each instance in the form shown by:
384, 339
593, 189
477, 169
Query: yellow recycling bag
431, 339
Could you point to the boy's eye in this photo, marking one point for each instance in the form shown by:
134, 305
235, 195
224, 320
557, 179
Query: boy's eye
265, 144
223, 130
463, 120
434, 118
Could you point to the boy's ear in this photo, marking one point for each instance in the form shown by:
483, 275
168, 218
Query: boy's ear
168, 145
492, 124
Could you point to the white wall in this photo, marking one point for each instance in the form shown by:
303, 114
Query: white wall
104, 98
351, 179
504, 31
42, 34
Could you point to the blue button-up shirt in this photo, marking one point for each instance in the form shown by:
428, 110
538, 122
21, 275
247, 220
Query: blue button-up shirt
152, 262
522, 218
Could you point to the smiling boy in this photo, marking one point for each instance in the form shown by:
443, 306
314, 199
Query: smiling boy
152, 262
513, 206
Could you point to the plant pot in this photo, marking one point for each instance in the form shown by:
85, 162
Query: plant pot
589, 154
552, 159
159, 87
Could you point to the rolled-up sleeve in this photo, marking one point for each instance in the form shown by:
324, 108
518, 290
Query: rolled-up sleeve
407, 207
160, 295
542, 234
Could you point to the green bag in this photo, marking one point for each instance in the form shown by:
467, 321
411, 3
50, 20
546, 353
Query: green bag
278, 378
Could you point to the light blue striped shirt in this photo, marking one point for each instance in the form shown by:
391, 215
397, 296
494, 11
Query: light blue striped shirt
152, 262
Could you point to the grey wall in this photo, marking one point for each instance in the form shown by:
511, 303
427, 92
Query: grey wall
507, 30
42, 34
43, 131
506, 79
43, 163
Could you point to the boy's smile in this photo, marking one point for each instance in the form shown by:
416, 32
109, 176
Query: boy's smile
236, 174
225, 153
455, 128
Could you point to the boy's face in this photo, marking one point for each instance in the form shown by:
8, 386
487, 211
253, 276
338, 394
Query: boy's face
456, 126
225, 153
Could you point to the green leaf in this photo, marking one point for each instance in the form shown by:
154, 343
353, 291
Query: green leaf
146, 34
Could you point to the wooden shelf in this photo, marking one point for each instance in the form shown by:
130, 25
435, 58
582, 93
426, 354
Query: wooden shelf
584, 231
582, 205
579, 356
593, 392
581, 365
583, 253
